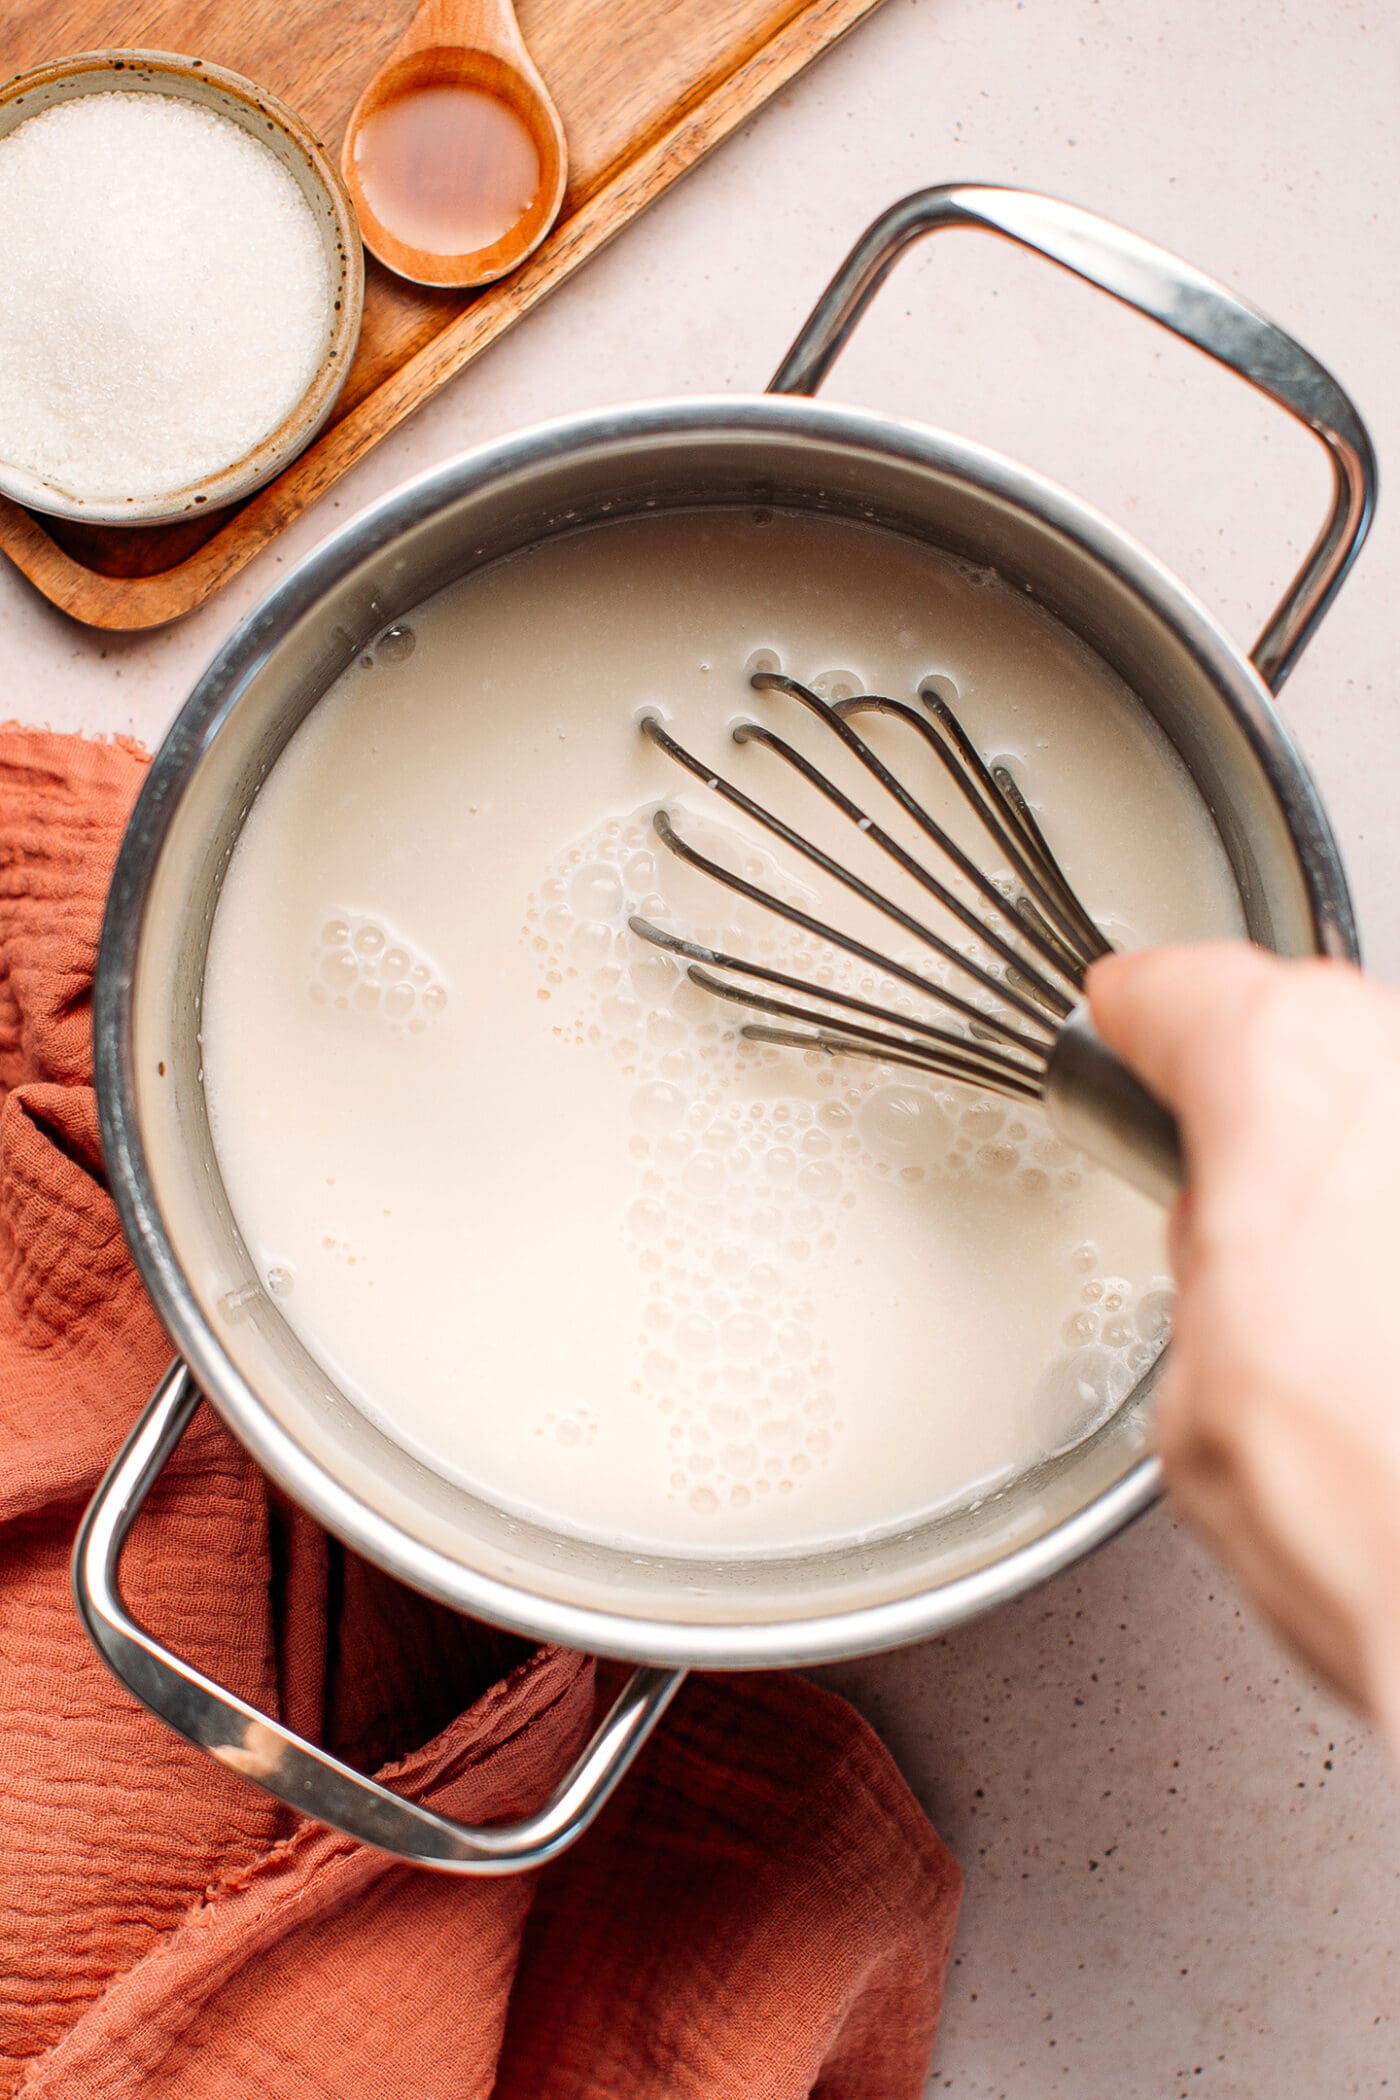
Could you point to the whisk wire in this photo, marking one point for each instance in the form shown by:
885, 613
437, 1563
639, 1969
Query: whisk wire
844, 1046
975, 1015
836, 717
1048, 994
962, 1063
914, 927
941, 1041
1093, 944
997, 813
1044, 929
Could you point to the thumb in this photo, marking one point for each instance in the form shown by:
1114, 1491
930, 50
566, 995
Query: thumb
1167, 1011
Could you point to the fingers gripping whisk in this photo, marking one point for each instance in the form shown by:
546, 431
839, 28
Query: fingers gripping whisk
987, 1010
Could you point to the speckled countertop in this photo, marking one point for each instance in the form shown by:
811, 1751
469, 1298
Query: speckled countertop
1183, 1861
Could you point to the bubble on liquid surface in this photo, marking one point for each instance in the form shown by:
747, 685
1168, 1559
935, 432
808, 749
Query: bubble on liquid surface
706, 1175
395, 645
997, 1159
763, 660
982, 1119
590, 942
646, 1218
280, 1279
900, 1123
658, 1107
694, 1336
940, 686
838, 685
744, 1335
233, 1304
1153, 1317
1078, 1392
819, 1179
596, 891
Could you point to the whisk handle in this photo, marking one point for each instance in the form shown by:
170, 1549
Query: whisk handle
1094, 1101
1167, 290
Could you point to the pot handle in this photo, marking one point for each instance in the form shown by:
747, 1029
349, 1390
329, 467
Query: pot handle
1155, 283
306, 1779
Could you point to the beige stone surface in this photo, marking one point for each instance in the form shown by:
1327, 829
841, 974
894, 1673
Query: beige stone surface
1182, 1859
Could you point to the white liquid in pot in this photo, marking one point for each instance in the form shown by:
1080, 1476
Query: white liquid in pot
526, 1195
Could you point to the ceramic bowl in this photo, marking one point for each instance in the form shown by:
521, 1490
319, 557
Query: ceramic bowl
269, 121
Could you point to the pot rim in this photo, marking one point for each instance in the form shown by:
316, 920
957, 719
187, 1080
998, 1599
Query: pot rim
830, 1635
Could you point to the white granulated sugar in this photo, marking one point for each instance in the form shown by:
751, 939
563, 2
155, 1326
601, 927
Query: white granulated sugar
165, 295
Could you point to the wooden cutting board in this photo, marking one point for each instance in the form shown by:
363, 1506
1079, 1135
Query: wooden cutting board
645, 88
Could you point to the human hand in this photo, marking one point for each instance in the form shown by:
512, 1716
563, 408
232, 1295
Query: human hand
1279, 1414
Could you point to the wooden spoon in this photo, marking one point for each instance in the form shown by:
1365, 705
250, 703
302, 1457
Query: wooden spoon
455, 45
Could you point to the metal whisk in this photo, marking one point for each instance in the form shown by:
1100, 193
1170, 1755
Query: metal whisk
1014, 1023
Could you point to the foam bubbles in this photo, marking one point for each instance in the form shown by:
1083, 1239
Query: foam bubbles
1113, 1337
747, 1184
729, 1189
574, 1429
359, 966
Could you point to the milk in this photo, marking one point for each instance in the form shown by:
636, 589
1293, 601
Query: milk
527, 1193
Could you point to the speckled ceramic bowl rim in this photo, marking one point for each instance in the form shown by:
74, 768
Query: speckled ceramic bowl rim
259, 113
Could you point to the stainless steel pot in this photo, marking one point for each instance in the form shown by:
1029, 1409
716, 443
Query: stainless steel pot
665, 1614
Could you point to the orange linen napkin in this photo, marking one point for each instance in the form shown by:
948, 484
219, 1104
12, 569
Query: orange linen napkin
761, 1912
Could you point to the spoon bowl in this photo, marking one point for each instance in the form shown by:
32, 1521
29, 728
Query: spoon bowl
472, 49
